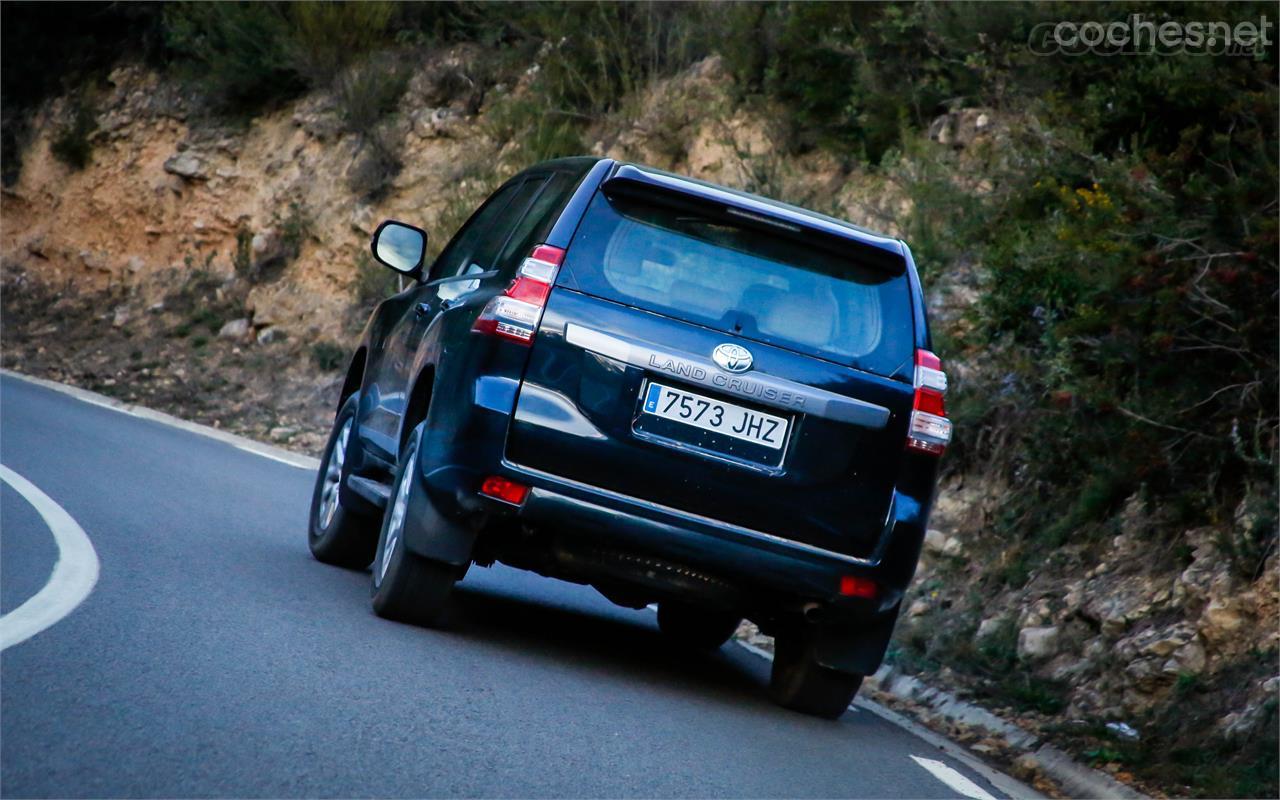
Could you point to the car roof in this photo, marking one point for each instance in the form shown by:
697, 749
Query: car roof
714, 191
711, 190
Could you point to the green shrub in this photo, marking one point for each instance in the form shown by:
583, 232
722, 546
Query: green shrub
294, 229
368, 92
371, 284
326, 35
328, 357
72, 145
248, 54
377, 164
242, 259
239, 53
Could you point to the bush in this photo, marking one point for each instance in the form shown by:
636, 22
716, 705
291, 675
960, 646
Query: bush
294, 228
246, 55
372, 283
239, 53
377, 163
368, 92
328, 357
242, 259
326, 35
72, 145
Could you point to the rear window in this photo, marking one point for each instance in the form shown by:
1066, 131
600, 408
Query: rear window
741, 280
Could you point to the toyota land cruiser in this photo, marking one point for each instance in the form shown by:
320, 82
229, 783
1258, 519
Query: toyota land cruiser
671, 391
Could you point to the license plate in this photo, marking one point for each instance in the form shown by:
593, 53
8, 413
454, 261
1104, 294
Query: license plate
716, 416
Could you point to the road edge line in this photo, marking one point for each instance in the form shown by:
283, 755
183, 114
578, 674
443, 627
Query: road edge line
1007, 784
143, 412
74, 574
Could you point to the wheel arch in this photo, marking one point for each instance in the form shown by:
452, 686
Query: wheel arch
419, 401
355, 376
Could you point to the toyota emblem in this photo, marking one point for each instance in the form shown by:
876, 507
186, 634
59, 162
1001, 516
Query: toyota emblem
732, 357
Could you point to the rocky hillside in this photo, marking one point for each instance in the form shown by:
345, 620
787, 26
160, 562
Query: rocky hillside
1102, 564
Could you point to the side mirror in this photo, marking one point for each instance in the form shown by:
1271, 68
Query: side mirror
401, 247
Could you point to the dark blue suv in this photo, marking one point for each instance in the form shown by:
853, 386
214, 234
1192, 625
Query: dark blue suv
668, 390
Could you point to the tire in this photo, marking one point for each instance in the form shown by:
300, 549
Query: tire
407, 587
338, 535
696, 628
800, 683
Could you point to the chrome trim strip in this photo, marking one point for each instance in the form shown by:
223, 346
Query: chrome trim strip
757, 386
715, 524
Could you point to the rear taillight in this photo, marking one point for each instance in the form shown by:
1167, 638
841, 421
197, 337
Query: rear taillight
515, 313
851, 586
499, 488
930, 430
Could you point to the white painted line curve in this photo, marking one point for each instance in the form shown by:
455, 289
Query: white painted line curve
142, 412
74, 574
953, 779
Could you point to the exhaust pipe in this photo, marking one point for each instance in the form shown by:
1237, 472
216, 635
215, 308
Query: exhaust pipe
812, 612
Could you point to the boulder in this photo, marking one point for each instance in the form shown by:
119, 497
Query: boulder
1221, 620
989, 627
235, 329
1117, 606
960, 128
283, 433
939, 543
1035, 644
434, 123
269, 335
186, 165
1190, 659
263, 242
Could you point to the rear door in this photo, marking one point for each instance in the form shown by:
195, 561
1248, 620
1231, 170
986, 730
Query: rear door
723, 365
472, 251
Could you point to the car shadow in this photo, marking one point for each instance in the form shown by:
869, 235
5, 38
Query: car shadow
625, 649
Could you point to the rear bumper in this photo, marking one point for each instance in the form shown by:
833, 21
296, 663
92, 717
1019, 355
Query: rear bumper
739, 555
465, 443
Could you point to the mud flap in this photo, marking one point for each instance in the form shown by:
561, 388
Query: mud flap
855, 647
430, 534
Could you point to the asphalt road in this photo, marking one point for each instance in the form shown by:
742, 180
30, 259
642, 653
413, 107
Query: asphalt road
214, 657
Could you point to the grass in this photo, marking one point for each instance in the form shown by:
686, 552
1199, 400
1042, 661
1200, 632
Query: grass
328, 356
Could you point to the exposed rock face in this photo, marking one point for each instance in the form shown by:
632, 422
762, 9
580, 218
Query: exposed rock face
1117, 631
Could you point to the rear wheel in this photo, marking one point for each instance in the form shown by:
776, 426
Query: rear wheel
695, 627
338, 535
407, 587
800, 683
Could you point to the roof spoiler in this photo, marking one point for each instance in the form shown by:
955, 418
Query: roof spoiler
839, 238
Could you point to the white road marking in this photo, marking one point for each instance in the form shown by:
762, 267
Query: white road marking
953, 779
142, 412
74, 573
293, 462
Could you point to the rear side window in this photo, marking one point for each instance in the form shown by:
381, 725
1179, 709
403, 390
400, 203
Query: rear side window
475, 249
742, 280
537, 222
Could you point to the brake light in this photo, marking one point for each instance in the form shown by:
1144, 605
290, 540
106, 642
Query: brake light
851, 586
516, 313
929, 430
500, 488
